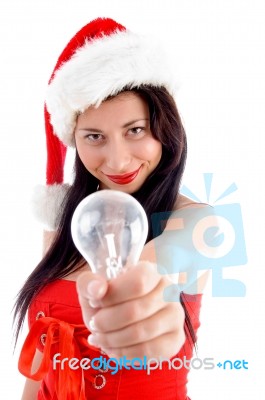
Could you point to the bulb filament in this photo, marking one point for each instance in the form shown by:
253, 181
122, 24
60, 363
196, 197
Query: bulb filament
113, 262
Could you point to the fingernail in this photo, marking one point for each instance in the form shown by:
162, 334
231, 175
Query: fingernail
92, 340
92, 325
94, 303
95, 288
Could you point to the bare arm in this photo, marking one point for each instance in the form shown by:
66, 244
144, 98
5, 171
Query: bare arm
30, 390
31, 387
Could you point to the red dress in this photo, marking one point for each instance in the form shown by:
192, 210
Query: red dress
56, 327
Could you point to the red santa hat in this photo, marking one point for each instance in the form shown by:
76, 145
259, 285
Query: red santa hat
99, 61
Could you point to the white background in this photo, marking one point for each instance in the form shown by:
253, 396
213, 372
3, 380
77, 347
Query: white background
217, 50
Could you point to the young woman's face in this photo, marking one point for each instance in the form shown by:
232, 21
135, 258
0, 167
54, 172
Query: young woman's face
115, 143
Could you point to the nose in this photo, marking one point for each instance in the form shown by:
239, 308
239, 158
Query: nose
118, 156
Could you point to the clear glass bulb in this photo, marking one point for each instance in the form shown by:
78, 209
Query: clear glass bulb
109, 228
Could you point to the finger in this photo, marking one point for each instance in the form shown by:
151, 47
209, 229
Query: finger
129, 312
135, 282
167, 320
89, 287
164, 346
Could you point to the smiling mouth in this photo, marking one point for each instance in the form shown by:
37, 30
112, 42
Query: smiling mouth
125, 178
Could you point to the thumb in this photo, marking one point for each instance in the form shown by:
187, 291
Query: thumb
91, 286
90, 289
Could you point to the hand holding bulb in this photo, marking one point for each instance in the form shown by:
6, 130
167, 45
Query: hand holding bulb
126, 315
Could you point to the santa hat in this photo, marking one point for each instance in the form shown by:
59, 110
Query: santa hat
99, 61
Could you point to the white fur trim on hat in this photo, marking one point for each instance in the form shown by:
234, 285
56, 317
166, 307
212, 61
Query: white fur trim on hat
100, 68
47, 204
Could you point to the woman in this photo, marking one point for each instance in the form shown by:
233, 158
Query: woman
109, 96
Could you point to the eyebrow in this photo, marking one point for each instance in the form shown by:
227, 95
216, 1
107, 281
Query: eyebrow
133, 122
123, 126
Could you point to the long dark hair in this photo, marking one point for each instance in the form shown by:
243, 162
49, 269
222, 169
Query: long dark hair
158, 194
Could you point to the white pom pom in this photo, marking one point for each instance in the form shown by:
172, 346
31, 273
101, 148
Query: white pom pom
47, 204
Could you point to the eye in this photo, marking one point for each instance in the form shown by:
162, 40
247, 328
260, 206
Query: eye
136, 130
94, 137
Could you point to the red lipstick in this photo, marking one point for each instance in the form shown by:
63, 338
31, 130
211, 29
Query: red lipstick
125, 178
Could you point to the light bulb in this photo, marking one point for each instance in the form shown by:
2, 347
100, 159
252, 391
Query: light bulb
109, 228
